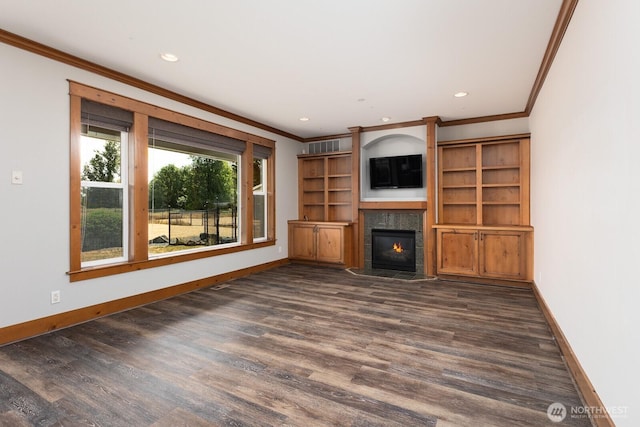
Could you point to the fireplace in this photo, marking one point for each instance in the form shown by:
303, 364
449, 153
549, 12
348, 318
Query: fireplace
398, 219
393, 249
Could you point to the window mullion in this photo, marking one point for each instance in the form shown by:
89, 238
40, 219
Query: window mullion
139, 188
246, 216
125, 163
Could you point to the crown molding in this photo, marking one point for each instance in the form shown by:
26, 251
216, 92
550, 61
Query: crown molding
560, 28
562, 23
60, 56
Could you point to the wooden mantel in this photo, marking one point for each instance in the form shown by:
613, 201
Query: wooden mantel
389, 205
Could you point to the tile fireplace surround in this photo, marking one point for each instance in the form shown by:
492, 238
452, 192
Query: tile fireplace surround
394, 220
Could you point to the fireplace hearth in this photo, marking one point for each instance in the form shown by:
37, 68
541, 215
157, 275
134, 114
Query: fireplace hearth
393, 249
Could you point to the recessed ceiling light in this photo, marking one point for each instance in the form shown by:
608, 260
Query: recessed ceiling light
385, 119
460, 94
304, 119
169, 57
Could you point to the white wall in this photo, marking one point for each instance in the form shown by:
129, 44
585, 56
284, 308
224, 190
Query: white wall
585, 196
481, 130
34, 246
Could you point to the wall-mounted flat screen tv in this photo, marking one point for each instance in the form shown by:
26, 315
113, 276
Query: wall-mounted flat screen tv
396, 172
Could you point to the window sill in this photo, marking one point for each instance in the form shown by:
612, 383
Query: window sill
127, 267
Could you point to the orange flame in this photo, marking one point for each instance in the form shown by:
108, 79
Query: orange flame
398, 247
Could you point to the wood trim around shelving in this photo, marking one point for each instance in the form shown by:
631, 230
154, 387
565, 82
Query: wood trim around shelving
394, 125
586, 389
326, 154
430, 261
479, 188
485, 227
356, 249
485, 139
43, 325
525, 181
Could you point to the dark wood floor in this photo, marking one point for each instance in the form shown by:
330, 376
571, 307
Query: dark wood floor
298, 346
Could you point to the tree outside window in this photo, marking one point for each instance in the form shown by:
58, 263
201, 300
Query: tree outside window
103, 198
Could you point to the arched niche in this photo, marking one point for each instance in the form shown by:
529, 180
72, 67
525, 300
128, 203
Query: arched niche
393, 144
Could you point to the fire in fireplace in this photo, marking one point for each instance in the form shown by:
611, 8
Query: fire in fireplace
393, 249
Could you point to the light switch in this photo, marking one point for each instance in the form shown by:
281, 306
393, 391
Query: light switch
16, 177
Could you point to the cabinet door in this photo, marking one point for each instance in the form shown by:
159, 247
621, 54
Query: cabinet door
302, 241
457, 251
502, 254
330, 246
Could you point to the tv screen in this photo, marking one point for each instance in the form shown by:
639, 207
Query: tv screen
396, 171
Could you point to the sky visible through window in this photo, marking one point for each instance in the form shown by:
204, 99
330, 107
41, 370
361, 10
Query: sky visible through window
157, 158
161, 158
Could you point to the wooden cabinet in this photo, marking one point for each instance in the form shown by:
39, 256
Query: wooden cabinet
457, 251
325, 187
483, 208
326, 208
503, 253
302, 241
484, 183
320, 242
487, 252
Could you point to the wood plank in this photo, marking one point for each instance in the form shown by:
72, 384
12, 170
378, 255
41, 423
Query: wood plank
298, 345
43, 325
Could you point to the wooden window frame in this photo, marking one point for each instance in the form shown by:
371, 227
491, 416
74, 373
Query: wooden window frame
139, 188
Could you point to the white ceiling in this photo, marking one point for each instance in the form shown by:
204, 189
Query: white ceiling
341, 63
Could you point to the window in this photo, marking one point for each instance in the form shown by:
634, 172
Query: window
104, 199
152, 187
103, 195
259, 198
193, 188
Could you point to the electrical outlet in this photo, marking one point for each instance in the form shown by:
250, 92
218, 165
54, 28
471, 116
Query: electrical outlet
55, 297
16, 177
279, 249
